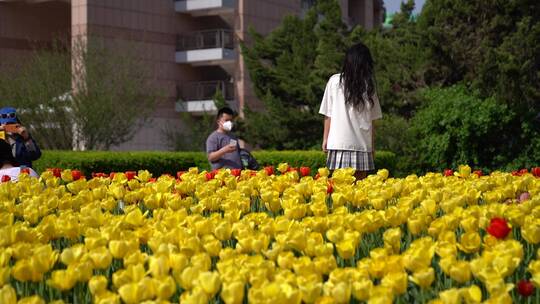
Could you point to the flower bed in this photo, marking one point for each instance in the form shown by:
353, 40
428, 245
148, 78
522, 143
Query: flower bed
278, 235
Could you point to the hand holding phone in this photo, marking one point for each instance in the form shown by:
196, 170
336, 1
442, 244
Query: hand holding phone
11, 128
233, 142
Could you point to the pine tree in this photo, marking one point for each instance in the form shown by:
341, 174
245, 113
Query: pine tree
289, 69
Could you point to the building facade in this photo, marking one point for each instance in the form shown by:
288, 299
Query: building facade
191, 46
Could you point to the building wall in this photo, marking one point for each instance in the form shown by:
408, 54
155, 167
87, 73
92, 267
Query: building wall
23, 26
150, 28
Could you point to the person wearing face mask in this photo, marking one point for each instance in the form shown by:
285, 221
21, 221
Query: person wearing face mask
222, 147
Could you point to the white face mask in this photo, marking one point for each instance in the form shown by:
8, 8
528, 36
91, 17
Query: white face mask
227, 126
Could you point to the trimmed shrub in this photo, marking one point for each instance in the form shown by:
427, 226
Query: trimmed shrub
170, 162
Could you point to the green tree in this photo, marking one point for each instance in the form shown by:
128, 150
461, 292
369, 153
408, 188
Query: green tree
289, 69
493, 47
81, 94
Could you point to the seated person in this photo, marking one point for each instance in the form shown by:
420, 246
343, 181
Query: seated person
8, 165
222, 147
25, 150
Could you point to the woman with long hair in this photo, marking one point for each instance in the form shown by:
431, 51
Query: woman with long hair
350, 104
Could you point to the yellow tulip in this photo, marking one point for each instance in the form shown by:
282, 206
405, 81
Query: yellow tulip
72, 255
130, 293
159, 266
195, 296
166, 287
470, 242
8, 295
341, 292
232, 292
107, 297
531, 230
118, 248
450, 296
135, 218
24, 271
471, 295
4, 275
135, 258
31, 300
381, 294
392, 239
460, 271
361, 289
346, 248
101, 257
97, 284
309, 289
210, 282
397, 281
424, 277
469, 224
63, 279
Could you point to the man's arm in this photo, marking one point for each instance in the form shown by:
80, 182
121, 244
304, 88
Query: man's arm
216, 155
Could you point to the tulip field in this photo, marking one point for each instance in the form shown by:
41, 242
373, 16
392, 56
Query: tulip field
278, 235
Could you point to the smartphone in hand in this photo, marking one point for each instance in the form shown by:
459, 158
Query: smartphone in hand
233, 142
12, 128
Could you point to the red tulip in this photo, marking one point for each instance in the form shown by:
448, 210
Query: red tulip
111, 175
57, 172
536, 171
523, 171
76, 174
329, 188
448, 172
304, 171
498, 227
210, 175
317, 176
130, 175
525, 288
25, 171
269, 170
478, 172
236, 172
152, 180
5, 178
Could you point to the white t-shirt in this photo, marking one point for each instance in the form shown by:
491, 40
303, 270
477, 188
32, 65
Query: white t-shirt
349, 129
14, 173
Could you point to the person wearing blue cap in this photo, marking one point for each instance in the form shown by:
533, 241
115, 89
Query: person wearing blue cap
24, 147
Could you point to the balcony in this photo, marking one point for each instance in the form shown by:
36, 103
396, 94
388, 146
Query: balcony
198, 97
206, 47
205, 7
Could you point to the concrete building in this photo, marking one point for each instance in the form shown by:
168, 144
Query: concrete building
191, 45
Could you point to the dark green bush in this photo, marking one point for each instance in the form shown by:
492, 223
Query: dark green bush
170, 162
457, 127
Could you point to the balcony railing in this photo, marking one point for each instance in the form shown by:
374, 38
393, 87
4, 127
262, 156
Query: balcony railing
205, 7
210, 39
205, 90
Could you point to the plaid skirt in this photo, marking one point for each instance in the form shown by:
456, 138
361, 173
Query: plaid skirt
361, 161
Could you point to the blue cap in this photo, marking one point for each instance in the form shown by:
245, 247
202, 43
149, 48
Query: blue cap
8, 115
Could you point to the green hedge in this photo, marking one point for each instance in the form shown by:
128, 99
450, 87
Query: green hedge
170, 162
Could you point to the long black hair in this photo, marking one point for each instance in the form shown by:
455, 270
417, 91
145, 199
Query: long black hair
358, 76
